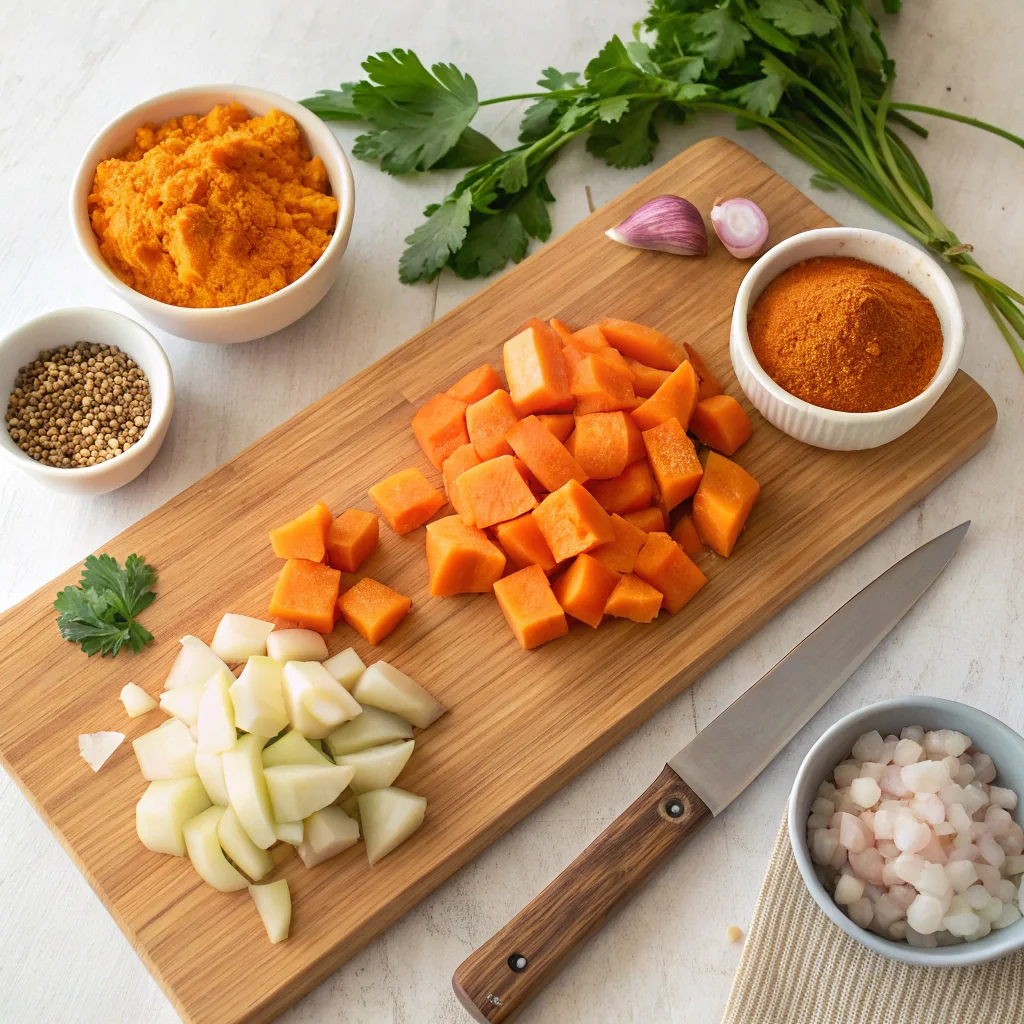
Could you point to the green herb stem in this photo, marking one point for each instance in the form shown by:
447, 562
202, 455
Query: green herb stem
949, 115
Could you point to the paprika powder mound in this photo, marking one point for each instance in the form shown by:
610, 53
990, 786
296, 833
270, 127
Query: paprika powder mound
846, 335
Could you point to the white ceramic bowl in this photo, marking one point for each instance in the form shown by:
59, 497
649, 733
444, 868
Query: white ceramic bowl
230, 323
826, 428
100, 326
890, 716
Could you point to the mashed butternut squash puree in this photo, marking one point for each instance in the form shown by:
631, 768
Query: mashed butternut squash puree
215, 210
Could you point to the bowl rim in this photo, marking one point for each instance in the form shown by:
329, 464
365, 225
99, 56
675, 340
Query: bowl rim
159, 417
340, 178
952, 347
960, 955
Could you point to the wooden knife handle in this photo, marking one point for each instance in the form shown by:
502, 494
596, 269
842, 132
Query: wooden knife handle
508, 970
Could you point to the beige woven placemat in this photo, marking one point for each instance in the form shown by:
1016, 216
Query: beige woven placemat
797, 967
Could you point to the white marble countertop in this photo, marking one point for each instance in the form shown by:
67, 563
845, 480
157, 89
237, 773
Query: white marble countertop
68, 67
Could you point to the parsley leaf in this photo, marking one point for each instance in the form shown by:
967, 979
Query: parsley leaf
763, 95
473, 148
799, 17
490, 244
539, 119
100, 613
630, 141
334, 104
556, 81
441, 234
722, 38
618, 68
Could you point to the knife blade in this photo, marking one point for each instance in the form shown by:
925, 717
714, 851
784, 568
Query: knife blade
496, 981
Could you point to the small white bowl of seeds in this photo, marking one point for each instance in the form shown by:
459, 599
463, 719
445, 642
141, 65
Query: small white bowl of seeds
88, 399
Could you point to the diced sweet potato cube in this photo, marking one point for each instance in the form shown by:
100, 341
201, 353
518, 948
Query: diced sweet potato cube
561, 328
561, 424
406, 500
601, 386
628, 492
524, 544
440, 427
572, 521
646, 379
454, 466
644, 344
351, 538
584, 588
530, 608
545, 456
709, 386
494, 492
720, 423
723, 501
673, 460
675, 399
535, 369
633, 599
589, 339
461, 559
372, 609
488, 421
477, 384
303, 537
605, 443
647, 519
684, 533
620, 553
306, 593
663, 564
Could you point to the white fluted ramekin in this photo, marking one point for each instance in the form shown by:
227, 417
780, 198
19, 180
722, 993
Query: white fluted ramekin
826, 428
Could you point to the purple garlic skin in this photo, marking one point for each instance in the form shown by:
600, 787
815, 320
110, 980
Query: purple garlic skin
666, 224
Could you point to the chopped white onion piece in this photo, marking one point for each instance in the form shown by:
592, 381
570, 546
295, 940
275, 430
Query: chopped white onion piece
240, 637
135, 700
96, 747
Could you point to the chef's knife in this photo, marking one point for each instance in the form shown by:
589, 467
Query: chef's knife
508, 970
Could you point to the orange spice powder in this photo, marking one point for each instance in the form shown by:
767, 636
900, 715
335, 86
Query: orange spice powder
846, 335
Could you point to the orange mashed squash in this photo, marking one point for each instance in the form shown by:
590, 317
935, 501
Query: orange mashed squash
215, 210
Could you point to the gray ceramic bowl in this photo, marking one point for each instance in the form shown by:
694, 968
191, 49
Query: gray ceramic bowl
890, 716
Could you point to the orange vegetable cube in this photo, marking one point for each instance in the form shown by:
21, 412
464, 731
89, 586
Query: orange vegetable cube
488, 421
709, 386
572, 521
461, 559
632, 490
675, 399
530, 608
723, 501
454, 466
477, 384
620, 553
601, 386
590, 339
673, 460
646, 379
584, 588
560, 424
306, 593
406, 500
605, 443
647, 519
644, 344
303, 537
440, 427
535, 369
634, 599
351, 538
372, 609
524, 544
544, 454
663, 563
494, 492
684, 533
561, 328
720, 423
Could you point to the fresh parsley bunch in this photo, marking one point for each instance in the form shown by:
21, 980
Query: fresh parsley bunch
100, 612
814, 74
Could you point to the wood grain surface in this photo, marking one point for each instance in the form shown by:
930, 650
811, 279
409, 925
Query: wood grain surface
511, 967
521, 724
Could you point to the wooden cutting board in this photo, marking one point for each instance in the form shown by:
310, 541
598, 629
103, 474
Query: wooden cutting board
520, 724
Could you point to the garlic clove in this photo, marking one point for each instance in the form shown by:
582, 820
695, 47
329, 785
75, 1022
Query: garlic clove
666, 224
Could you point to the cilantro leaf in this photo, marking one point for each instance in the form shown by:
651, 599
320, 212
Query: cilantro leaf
763, 95
515, 174
630, 141
434, 241
128, 589
418, 116
490, 244
612, 108
556, 81
689, 69
334, 104
539, 119
472, 149
769, 34
867, 43
532, 209
799, 17
619, 68
722, 39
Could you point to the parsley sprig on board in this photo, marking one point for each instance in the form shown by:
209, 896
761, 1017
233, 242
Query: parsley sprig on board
814, 74
100, 612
